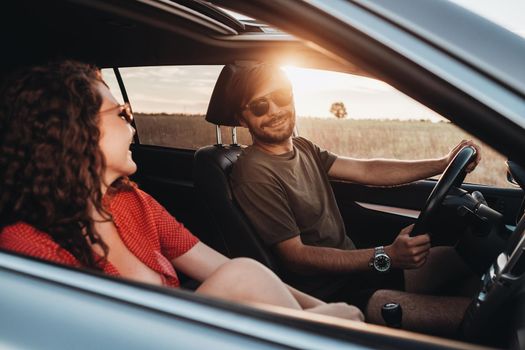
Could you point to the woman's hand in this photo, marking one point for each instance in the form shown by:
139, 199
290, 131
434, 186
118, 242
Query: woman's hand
341, 310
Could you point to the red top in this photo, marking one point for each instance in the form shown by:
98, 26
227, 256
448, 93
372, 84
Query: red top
146, 228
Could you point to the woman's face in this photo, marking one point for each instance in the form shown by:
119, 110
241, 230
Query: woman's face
116, 135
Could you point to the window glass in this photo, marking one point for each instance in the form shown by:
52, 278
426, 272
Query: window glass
169, 104
347, 114
109, 77
365, 118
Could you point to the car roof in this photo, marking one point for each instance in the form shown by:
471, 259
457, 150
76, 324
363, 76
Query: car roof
154, 32
466, 35
145, 33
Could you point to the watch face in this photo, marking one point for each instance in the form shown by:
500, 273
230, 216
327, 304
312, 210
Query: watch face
382, 262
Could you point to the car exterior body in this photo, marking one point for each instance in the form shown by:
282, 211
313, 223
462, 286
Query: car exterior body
479, 87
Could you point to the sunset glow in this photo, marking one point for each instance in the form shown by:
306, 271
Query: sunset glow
364, 98
187, 89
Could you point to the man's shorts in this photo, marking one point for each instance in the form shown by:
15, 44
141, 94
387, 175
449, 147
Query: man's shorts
353, 288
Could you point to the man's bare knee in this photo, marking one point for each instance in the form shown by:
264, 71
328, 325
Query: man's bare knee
376, 301
422, 313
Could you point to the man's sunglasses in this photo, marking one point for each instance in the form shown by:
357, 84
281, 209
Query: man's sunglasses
261, 105
124, 112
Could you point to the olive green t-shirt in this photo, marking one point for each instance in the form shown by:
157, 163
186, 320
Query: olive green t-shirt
290, 194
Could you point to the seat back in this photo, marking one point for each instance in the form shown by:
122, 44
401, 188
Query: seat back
234, 233
212, 167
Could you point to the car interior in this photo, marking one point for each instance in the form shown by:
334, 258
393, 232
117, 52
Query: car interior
485, 223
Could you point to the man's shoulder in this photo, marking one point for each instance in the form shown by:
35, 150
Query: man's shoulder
303, 144
302, 141
254, 166
248, 158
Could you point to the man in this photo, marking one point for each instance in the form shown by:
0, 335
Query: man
282, 185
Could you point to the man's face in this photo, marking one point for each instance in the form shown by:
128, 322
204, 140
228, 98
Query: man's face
277, 123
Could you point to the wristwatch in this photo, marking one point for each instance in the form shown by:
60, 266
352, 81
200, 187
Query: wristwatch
380, 262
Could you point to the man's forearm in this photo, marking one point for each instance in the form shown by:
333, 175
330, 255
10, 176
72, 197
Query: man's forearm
388, 172
385, 172
310, 259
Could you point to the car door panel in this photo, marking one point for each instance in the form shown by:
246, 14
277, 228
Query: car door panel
375, 215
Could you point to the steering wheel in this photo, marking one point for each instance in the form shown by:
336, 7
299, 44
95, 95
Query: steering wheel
453, 176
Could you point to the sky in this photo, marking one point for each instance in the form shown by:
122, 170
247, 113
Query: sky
188, 89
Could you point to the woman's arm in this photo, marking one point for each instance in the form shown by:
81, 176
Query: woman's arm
306, 301
199, 262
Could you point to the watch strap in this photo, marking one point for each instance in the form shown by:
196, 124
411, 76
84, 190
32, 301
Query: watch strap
379, 250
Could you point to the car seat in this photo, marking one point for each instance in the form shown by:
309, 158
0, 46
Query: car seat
212, 167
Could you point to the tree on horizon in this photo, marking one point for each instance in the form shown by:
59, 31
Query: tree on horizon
339, 110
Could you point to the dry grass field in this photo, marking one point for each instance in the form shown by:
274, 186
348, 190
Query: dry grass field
401, 140
354, 138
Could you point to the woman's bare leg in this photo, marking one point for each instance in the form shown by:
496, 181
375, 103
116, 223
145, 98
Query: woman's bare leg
245, 280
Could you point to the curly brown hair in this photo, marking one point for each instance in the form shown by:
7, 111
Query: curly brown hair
50, 161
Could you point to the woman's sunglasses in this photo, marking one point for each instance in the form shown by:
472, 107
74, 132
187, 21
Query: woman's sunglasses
124, 112
260, 106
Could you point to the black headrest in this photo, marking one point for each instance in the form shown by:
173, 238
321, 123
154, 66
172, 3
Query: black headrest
220, 110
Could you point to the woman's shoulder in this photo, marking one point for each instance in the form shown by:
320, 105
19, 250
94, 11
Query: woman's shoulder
26, 239
23, 230
131, 193
132, 199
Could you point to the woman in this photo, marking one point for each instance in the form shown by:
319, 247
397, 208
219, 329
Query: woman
65, 195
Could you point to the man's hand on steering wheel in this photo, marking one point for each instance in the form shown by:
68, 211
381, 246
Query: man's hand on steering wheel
408, 252
412, 245
465, 158
464, 143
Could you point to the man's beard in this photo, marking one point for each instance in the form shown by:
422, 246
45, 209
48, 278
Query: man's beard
271, 136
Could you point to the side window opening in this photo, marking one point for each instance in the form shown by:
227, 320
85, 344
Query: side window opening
361, 117
109, 78
169, 103
349, 115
